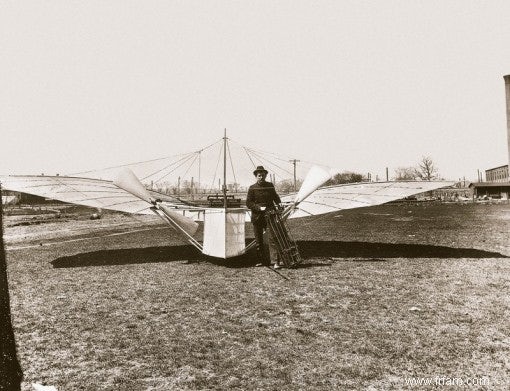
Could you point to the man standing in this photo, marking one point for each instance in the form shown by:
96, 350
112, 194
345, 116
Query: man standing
261, 198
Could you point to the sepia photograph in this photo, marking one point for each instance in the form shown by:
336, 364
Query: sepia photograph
254, 195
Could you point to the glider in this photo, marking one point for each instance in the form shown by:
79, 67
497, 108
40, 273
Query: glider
224, 223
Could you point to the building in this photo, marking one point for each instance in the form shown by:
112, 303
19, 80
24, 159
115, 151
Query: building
497, 185
498, 174
491, 190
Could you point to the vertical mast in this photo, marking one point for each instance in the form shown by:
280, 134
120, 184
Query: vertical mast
225, 169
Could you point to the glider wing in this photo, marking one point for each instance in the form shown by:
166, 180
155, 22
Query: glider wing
357, 195
91, 192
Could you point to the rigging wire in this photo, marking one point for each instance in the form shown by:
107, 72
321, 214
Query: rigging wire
270, 162
145, 161
231, 163
191, 165
192, 157
215, 171
260, 156
277, 156
130, 164
274, 155
249, 157
245, 150
187, 157
210, 145
168, 173
270, 165
286, 160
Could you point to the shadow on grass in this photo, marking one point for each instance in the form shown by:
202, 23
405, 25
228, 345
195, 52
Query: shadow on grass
309, 249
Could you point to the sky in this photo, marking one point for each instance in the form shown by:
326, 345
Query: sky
354, 85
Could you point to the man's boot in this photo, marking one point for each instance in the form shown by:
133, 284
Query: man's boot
261, 258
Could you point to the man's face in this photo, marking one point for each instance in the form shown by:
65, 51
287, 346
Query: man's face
261, 177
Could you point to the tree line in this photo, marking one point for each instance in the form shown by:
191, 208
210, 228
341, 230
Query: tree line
425, 170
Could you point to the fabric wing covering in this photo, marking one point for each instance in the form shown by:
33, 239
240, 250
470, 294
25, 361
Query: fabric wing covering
358, 195
95, 193
104, 194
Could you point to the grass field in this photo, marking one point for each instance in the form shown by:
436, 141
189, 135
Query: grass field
384, 294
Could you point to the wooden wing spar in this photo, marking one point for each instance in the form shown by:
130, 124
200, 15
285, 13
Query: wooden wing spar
224, 227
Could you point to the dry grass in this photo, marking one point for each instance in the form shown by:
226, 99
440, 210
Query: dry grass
162, 320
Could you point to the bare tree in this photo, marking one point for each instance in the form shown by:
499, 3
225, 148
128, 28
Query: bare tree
406, 174
427, 169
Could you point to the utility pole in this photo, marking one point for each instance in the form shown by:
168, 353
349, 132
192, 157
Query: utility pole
199, 167
294, 161
225, 169
387, 176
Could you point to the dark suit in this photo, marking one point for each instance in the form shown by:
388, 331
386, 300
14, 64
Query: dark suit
263, 195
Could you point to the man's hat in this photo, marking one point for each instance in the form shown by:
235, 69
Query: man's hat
259, 169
